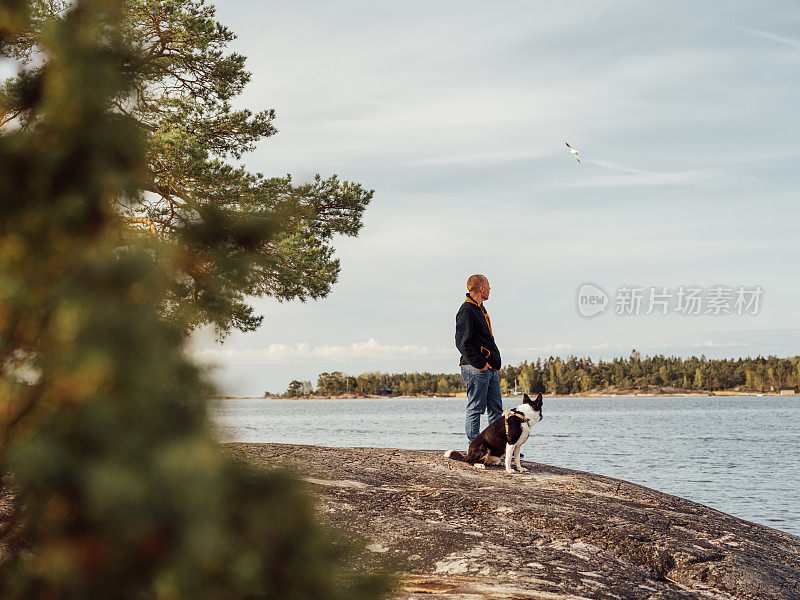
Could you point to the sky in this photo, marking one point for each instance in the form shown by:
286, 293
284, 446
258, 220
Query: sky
457, 113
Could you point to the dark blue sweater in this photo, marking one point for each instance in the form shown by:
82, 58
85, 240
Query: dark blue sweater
474, 338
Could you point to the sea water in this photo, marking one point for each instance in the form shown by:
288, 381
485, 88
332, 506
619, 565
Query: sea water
737, 454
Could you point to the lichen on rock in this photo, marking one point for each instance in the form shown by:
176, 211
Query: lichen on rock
551, 533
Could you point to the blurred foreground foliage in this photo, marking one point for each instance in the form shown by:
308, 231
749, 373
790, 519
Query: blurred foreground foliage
182, 81
121, 490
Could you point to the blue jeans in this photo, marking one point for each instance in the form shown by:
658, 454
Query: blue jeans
483, 394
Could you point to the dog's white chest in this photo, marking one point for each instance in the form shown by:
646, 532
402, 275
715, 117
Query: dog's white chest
526, 431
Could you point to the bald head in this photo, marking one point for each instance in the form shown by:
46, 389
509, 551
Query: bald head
478, 287
476, 281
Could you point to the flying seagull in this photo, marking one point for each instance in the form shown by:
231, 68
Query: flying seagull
573, 152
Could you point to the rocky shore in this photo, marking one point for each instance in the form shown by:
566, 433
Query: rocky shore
550, 534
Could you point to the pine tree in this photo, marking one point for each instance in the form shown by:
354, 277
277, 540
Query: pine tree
122, 492
183, 82
524, 382
699, 380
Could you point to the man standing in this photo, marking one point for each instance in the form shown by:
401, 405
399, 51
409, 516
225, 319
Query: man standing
480, 358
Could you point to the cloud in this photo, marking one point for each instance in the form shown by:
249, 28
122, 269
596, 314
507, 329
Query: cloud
705, 178
775, 38
559, 348
371, 350
713, 344
458, 120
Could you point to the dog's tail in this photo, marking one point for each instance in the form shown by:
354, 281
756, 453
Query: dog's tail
455, 455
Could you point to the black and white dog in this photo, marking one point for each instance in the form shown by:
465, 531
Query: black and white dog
503, 437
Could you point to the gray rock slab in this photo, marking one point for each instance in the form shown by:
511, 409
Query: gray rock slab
551, 533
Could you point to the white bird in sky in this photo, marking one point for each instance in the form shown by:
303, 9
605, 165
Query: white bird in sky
573, 152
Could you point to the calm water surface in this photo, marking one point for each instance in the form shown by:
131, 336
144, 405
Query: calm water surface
740, 455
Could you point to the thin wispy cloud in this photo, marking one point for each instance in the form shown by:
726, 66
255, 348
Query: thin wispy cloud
703, 178
775, 38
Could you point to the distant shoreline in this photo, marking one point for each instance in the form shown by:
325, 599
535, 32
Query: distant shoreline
627, 394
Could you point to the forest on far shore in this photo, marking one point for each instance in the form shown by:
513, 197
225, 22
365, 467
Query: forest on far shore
572, 375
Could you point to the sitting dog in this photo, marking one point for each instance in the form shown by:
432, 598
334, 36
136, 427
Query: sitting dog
503, 437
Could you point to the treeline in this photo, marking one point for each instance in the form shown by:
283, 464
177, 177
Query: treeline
396, 384
573, 375
576, 375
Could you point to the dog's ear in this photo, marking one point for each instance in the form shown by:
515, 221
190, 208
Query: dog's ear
537, 404
526, 398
